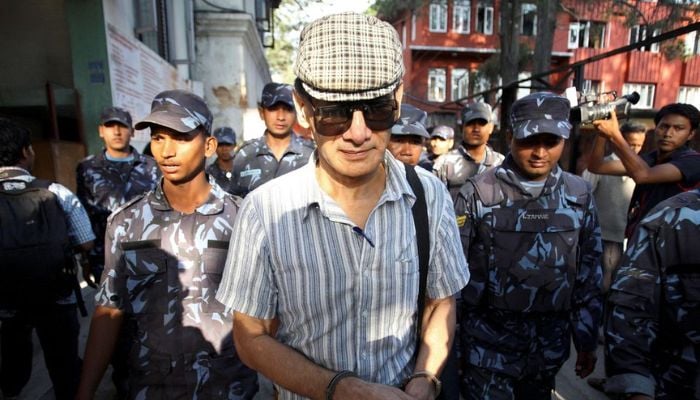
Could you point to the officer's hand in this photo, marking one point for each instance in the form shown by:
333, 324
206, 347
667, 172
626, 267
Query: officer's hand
355, 388
608, 128
585, 363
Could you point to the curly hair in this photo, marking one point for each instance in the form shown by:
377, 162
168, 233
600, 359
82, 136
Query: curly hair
687, 110
13, 139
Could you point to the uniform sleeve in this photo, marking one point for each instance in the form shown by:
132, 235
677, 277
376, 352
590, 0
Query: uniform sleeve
248, 284
630, 318
79, 228
112, 283
587, 298
473, 250
238, 163
448, 268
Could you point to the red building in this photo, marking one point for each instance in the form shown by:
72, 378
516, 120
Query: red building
445, 42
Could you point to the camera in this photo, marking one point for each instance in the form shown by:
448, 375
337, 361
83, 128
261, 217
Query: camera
592, 108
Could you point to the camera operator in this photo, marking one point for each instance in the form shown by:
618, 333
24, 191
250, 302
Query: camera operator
670, 169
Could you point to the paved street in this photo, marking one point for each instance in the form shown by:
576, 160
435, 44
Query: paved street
569, 387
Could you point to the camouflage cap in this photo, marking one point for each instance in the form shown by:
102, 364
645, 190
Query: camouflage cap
274, 93
178, 110
443, 132
474, 111
541, 112
349, 57
225, 135
411, 122
413, 114
115, 114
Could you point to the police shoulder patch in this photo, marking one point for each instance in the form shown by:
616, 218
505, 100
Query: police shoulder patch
461, 220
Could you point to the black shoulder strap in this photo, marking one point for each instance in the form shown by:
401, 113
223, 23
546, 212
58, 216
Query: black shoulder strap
420, 219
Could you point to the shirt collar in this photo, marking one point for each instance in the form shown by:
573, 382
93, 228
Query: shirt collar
295, 146
395, 189
138, 157
488, 156
213, 205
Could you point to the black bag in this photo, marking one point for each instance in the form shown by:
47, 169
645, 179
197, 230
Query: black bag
34, 246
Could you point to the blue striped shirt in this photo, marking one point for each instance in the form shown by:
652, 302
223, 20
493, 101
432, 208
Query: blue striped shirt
344, 297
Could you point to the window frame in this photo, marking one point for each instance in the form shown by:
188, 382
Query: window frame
437, 82
522, 19
487, 28
461, 8
689, 94
645, 102
437, 10
459, 83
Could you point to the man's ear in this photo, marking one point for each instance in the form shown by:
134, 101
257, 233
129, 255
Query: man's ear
210, 145
302, 119
101, 130
398, 95
260, 113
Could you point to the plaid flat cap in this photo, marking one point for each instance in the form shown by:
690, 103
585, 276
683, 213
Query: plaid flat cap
541, 112
178, 110
349, 57
115, 114
274, 93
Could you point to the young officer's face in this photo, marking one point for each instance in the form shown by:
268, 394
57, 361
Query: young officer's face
180, 156
224, 151
537, 155
477, 132
406, 148
116, 136
440, 146
279, 119
672, 132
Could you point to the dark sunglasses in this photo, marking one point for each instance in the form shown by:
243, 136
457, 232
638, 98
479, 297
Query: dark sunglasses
335, 119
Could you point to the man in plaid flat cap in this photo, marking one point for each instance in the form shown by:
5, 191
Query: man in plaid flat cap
531, 234
276, 152
165, 253
326, 299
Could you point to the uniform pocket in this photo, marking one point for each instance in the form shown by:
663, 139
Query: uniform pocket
213, 260
146, 277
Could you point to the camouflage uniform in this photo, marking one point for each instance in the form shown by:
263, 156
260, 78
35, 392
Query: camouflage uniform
255, 163
104, 185
652, 318
535, 277
221, 177
456, 166
163, 269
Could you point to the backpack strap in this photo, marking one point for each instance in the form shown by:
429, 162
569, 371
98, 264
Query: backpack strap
420, 220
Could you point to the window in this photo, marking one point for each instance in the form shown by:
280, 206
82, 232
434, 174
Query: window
460, 83
689, 94
151, 25
528, 19
484, 19
642, 32
692, 44
460, 16
587, 34
438, 17
523, 87
436, 84
592, 87
645, 90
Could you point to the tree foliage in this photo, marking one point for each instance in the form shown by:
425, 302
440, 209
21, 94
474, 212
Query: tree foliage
390, 9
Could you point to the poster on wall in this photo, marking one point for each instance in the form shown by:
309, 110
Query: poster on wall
137, 74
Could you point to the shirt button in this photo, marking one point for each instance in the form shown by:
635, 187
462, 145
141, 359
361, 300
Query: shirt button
364, 314
364, 355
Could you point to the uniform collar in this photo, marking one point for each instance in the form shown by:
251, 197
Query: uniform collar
395, 189
488, 155
213, 205
138, 157
15, 173
296, 145
507, 172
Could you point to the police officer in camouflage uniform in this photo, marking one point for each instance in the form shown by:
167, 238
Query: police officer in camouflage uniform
278, 151
221, 170
112, 177
474, 156
165, 255
408, 135
531, 234
652, 316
